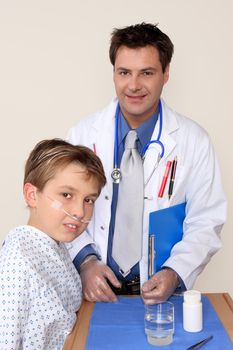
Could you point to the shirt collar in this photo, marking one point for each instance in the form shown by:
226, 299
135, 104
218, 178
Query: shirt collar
144, 131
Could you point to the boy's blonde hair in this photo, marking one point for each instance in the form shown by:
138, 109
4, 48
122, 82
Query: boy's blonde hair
48, 156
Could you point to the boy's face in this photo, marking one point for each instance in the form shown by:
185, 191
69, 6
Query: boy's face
75, 191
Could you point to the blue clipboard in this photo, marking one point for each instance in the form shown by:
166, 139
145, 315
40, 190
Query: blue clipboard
165, 230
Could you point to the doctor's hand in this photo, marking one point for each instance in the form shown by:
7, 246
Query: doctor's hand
94, 275
160, 287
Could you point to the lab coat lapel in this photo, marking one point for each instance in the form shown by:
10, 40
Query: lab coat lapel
103, 135
170, 125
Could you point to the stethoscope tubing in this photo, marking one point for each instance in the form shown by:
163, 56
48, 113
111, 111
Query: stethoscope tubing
116, 174
159, 134
116, 136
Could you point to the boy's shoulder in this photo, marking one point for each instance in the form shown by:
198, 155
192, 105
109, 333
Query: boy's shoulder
17, 238
21, 247
12, 261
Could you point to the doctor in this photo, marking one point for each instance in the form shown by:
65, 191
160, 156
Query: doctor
141, 55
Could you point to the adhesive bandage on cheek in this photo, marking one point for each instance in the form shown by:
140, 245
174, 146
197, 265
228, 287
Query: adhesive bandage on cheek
58, 205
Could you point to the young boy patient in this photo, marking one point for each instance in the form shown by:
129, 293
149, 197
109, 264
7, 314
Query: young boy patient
40, 289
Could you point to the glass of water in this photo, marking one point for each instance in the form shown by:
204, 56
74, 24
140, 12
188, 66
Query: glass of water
159, 323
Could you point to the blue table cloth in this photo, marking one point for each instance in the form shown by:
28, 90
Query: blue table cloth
120, 325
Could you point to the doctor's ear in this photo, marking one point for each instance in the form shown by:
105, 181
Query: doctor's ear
30, 194
166, 74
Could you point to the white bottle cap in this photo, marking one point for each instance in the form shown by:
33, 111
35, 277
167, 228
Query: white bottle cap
192, 296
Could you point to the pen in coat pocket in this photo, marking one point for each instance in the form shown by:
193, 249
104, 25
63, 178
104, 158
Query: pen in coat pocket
172, 178
164, 180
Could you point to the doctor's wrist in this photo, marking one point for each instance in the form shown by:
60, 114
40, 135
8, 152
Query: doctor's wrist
89, 258
180, 287
175, 276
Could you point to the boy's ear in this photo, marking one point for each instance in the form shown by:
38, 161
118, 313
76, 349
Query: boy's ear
30, 192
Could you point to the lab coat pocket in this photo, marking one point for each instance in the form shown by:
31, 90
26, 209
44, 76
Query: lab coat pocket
180, 184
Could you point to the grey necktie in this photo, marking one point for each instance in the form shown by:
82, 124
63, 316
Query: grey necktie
127, 240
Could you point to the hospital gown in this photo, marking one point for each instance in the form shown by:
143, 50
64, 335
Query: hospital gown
40, 291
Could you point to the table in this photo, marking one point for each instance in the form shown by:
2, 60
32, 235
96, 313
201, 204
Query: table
222, 303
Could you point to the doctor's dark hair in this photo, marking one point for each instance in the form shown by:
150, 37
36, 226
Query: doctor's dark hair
50, 156
141, 35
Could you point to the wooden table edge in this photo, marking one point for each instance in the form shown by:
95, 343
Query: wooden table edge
81, 328
223, 305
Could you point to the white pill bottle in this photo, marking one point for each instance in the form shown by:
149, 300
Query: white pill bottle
192, 311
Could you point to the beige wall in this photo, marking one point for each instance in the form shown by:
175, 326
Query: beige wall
54, 69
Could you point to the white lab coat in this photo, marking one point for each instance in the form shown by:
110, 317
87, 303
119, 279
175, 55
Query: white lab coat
198, 182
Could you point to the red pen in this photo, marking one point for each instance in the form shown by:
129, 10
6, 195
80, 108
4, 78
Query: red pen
94, 148
165, 177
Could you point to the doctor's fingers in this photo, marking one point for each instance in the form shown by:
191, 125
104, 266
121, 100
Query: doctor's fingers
154, 297
93, 297
164, 280
97, 272
103, 290
154, 291
99, 291
165, 286
98, 295
153, 283
109, 274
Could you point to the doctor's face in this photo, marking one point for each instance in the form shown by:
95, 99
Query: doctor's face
139, 80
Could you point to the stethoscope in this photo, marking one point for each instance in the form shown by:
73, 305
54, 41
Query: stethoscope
116, 173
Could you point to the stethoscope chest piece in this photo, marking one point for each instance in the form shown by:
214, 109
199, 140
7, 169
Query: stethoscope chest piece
116, 175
